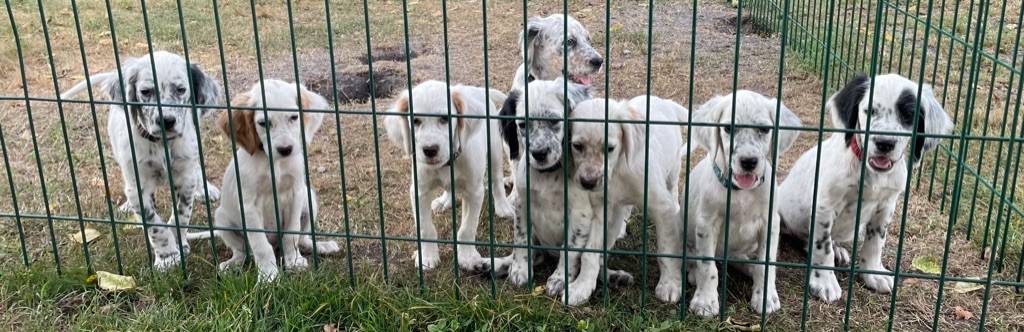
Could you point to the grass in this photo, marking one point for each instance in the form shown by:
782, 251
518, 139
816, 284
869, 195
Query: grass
382, 290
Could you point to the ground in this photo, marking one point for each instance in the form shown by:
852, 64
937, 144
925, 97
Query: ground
386, 289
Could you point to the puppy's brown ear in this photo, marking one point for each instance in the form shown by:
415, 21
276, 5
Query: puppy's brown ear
397, 126
460, 109
631, 135
244, 128
312, 120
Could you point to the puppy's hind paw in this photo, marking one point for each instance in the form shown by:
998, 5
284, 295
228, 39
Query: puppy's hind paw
668, 291
441, 204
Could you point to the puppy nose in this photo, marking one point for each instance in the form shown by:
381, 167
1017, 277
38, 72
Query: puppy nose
748, 163
169, 121
885, 145
284, 150
540, 154
588, 183
596, 62
430, 150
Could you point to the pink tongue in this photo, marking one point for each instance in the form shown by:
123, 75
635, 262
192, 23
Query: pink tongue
880, 162
745, 181
585, 80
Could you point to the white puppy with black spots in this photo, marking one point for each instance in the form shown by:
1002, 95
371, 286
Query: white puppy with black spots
898, 105
736, 176
549, 44
140, 135
643, 163
441, 143
266, 138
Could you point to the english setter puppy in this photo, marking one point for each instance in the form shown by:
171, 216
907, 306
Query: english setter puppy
544, 46
739, 161
895, 104
632, 161
443, 143
542, 137
264, 138
140, 134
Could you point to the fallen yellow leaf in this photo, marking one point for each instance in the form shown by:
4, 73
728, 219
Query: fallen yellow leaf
732, 325
537, 291
962, 313
114, 282
90, 235
967, 287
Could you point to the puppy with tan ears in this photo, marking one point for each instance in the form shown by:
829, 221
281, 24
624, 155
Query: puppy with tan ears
738, 131
265, 138
643, 162
432, 131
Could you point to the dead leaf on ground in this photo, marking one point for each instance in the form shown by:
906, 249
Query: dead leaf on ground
331, 328
90, 235
927, 264
734, 325
967, 287
962, 313
112, 282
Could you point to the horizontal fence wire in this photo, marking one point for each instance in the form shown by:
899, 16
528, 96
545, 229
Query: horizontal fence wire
60, 185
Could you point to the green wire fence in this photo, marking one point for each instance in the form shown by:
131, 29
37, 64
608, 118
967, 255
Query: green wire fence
964, 198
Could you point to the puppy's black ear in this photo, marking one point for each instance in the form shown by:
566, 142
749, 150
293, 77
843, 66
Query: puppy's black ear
845, 104
204, 88
577, 94
509, 130
122, 87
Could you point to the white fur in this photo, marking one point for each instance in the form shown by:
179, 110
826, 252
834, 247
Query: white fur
753, 225
140, 134
638, 173
254, 192
839, 178
431, 104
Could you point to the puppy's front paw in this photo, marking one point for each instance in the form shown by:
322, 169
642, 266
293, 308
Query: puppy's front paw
772, 304
214, 193
504, 211
876, 282
842, 255
297, 263
426, 259
268, 274
556, 285
669, 291
473, 263
579, 292
441, 204
705, 304
825, 286
327, 247
126, 207
518, 274
165, 261
619, 278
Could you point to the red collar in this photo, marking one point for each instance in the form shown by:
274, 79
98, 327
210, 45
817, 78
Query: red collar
855, 148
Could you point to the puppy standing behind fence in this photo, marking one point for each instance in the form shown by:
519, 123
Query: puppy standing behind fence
438, 147
260, 136
738, 161
836, 218
639, 172
140, 134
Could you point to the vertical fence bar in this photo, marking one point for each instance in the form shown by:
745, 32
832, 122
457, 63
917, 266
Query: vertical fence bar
376, 144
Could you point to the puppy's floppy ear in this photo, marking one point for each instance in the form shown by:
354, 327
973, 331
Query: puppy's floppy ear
461, 130
204, 88
933, 120
312, 120
123, 88
633, 134
786, 137
244, 132
527, 45
704, 131
397, 126
845, 104
509, 129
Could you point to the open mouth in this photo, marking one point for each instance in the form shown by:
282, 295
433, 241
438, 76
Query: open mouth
745, 181
880, 163
580, 79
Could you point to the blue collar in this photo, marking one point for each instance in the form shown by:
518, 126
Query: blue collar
723, 178
553, 168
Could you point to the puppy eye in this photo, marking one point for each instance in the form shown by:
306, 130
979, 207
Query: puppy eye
261, 123
293, 118
727, 130
145, 92
571, 42
443, 121
763, 131
611, 148
522, 125
182, 90
416, 121
577, 146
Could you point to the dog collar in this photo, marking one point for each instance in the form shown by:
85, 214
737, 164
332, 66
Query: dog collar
553, 168
456, 156
726, 182
855, 148
147, 135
